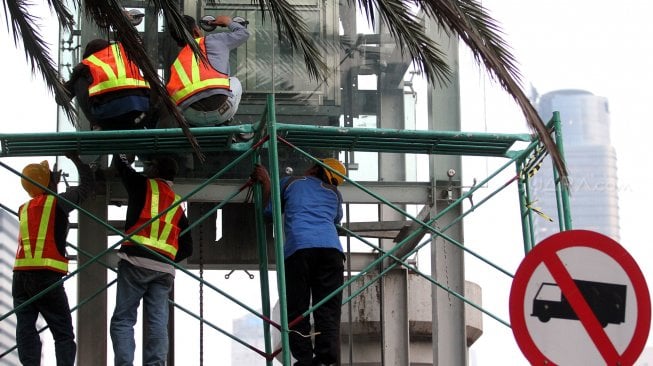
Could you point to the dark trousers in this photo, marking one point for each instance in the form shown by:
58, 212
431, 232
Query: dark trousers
54, 308
313, 274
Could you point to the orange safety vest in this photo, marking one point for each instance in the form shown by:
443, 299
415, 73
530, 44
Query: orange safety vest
189, 76
112, 70
161, 235
37, 248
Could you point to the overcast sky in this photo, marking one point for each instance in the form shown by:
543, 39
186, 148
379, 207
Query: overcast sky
602, 47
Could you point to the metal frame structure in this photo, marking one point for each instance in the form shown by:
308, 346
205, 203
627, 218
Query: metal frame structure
268, 134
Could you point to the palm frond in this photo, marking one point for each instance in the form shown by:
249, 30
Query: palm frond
471, 22
109, 14
464, 18
409, 33
292, 26
176, 24
25, 26
66, 19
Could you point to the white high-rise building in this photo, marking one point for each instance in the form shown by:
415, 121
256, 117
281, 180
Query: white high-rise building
591, 161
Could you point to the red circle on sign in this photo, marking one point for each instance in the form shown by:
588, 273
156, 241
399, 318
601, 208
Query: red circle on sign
580, 238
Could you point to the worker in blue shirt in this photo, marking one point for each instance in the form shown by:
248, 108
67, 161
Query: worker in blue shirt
314, 260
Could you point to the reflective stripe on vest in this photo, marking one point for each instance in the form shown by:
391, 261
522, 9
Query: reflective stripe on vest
157, 235
202, 76
39, 252
112, 70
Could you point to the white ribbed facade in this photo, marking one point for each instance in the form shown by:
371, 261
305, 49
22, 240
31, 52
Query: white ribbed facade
591, 161
8, 239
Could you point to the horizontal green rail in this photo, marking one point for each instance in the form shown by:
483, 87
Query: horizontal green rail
400, 141
169, 140
211, 139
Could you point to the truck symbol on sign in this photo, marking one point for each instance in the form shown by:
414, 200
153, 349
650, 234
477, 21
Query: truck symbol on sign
607, 301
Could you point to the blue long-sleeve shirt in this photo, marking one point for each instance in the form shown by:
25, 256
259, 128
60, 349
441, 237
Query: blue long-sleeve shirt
311, 210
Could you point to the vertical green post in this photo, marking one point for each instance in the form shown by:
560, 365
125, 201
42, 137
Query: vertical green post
562, 190
278, 227
261, 240
525, 213
531, 231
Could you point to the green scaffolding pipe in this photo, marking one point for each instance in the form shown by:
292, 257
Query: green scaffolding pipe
391, 132
80, 268
89, 255
350, 318
347, 283
396, 247
562, 188
102, 253
273, 128
398, 261
531, 217
176, 305
278, 228
525, 212
216, 208
457, 219
229, 166
8, 210
203, 320
210, 324
171, 140
72, 310
417, 248
424, 225
79, 304
453, 222
263, 262
127, 237
524, 168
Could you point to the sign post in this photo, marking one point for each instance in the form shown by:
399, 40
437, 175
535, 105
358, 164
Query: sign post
579, 298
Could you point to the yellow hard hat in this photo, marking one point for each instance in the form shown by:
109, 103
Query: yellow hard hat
337, 166
39, 173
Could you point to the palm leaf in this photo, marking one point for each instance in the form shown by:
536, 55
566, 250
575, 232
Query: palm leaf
464, 18
25, 26
291, 25
410, 35
471, 22
176, 24
109, 14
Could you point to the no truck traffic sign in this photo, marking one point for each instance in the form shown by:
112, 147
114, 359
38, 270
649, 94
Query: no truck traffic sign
579, 298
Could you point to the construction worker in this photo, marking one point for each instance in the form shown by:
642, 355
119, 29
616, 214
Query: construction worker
41, 262
314, 260
110, 89
211, 98
144, 269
